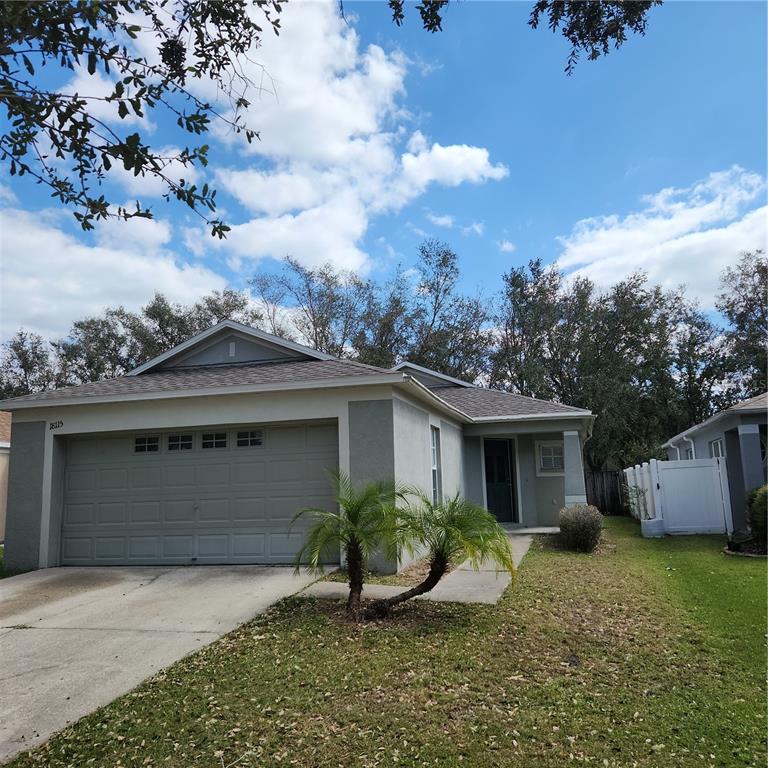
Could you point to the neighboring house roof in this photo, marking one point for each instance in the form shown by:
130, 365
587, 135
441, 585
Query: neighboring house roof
5, 429
489, 404
757, 404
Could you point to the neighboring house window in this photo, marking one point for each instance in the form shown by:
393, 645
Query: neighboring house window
146, 444
214, 439
179, 442
716, 449
550, 458
437, 470
250, 439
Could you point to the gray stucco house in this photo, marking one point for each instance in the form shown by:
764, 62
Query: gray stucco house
740, 435
204, 454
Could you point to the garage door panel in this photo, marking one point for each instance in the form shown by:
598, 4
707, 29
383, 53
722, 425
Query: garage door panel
145, 512
81, 480
213, 510
180, 476
213, 546
114, 513
77, 548
78, 514
179, 546
247, 509
232, 504
248, 545
247, 471
144, 547
109, 548
213, 475
147, 477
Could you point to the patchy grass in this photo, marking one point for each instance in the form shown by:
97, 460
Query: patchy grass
649, 653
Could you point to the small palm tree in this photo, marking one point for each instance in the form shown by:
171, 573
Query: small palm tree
452, 530
366, 521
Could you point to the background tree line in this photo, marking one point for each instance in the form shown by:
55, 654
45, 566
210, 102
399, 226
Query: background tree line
648, 362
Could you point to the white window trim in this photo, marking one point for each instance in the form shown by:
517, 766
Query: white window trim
436, 464
717, 441
539, 444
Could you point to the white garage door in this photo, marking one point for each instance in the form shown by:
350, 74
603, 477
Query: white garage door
218, 495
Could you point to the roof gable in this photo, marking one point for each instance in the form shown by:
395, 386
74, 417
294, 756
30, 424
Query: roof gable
428, 377
229, 342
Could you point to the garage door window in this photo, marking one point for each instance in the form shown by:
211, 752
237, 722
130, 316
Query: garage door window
250, 439
179, 442
214, 439
146, 444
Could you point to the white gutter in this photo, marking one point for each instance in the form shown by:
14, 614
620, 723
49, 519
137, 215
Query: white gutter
427, 394
548, 415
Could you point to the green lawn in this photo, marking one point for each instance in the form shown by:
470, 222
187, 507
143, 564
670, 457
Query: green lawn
650, 653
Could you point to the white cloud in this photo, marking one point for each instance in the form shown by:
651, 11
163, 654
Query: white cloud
440, 220
681, 236
475, 228
507, 246
95, 88
49, 278
335, 130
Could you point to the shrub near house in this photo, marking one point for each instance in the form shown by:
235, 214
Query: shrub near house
580, 527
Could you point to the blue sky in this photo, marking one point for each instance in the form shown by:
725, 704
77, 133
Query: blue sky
374, 137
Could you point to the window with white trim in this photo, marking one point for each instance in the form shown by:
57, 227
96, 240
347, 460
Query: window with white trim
146, 444
179, 442
437, 469
550, 458
214, 440
250, 438
716, 450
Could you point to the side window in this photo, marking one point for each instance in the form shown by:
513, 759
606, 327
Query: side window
214, 440
716, 449
250, 438
146, 444
550, 458
180, 442
437, 469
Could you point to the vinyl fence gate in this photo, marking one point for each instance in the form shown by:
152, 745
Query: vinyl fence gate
689, 496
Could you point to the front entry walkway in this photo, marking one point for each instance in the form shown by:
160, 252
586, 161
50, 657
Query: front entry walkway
462, 585
74, 639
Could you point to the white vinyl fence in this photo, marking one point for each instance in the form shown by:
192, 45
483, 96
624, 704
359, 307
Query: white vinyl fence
689, 496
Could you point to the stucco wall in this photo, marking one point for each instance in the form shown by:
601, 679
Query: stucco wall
25, 496
411, 433
370, 435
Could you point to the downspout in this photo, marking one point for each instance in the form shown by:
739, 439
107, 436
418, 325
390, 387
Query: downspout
677, 448
693, 446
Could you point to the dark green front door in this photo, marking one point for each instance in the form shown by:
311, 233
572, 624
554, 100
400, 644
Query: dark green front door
499, 480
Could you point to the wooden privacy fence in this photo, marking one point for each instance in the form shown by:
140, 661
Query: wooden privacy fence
604, 490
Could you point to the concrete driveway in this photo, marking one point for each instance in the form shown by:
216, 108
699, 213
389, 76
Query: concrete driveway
73, 639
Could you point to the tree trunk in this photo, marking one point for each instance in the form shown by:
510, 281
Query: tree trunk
437, 568
355, 572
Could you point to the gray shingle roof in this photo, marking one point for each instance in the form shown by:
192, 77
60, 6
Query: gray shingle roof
478, 403
757, 402
204, 377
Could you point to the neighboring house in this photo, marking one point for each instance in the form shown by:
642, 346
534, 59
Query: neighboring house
204, 454
5, 450
737, 434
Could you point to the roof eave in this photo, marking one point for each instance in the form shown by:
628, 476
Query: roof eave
338, 382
